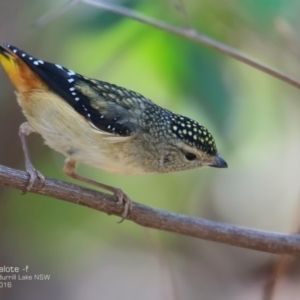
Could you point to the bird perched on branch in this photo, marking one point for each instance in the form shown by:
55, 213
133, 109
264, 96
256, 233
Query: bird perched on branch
102, 125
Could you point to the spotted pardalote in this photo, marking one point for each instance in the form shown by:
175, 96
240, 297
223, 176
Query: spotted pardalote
103, 125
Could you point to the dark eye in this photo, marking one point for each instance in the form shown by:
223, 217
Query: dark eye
190, 156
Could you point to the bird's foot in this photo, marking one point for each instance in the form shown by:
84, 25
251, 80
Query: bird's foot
123, 199
33, 176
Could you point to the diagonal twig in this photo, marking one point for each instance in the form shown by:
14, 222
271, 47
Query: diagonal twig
187, 33
280, 268
154, 218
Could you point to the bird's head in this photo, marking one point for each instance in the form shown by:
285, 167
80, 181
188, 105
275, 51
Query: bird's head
187, 145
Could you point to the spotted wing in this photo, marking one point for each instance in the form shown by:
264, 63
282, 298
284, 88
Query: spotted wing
108, 107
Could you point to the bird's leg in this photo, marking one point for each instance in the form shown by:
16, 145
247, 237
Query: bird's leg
24, 130
69, 169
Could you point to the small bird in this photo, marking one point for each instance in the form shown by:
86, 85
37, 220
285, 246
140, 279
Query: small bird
102, 125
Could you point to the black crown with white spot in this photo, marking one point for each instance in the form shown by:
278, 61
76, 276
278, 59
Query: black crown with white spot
193, 134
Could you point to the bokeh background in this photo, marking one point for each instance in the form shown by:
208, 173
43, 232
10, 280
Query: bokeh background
253, 117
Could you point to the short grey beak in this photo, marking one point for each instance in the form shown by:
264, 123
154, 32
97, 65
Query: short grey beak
218, 163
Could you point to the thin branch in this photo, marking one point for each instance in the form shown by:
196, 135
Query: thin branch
169, 288
187, 33
279, 269
281, 266
56, 12
159, 219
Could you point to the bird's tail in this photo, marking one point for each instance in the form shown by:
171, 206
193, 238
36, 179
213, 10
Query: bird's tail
23, 78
